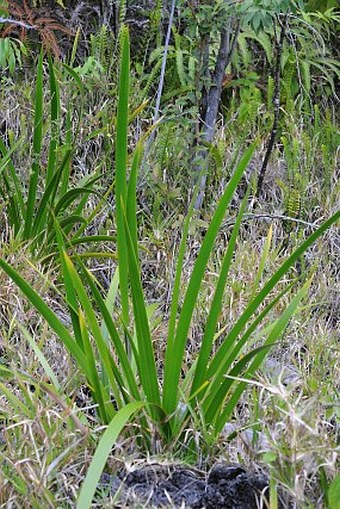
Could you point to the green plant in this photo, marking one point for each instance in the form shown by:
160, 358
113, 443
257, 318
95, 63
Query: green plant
11, 52
21, 19
30, 211
333, 493
307, 59
129, 373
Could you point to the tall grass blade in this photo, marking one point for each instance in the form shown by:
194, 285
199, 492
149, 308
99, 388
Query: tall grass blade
216, 304
131, 204
15, 401
91, 321
121, 165
100, 395
71, 297
37, 143
7, 162
146, 355
235, 348
176, 291
55, 122
264, 257
48, 197
102, 453
275, 333
175, 349
68, 143
126, 384
216, 363
48, 314
41, 357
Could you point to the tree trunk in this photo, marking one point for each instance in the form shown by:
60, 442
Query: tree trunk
211, 101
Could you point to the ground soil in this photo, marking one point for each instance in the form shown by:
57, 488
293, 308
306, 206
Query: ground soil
224, 487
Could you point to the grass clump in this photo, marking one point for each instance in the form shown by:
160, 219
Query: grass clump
174, 400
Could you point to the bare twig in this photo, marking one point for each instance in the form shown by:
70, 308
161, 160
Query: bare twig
161, 79
276, 101
281, 217
18, 23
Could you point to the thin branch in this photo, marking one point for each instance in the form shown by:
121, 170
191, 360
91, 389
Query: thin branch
18, 23
271, 217
276, 101
161, 79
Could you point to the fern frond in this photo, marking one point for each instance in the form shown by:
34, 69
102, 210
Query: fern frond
215, 154
242, 44
306, 78
152, 79
287, 79
263, 40
122, 12
192, 68
155, 22
179, 58
293, 202
163, 144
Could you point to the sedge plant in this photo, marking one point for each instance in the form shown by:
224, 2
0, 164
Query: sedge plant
117, 356
31, 206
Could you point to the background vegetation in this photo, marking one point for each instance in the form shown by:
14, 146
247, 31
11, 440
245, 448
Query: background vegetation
169, 197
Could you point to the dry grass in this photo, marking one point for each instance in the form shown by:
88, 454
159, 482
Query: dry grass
295, 417
292, 407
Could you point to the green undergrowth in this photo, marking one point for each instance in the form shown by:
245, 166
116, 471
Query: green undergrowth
145, 328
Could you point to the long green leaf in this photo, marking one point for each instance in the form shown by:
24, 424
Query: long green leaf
275, 333
54, 119
121, 165
216, 304
109, 303
176, 291
48, 314
89, 239
131, 204
132, 387
19, 188
37, 143
217, 364
71, 297
236, 371
68, 144
48, 197
175, 349
70, 196
91, 319
102, 453
72, 302
237, 346
76, 78
11, 204
101, 396
146, 355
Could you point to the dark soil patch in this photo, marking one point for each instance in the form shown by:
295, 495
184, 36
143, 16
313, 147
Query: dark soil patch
224, 487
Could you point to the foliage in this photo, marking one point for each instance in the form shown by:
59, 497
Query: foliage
23, 19
31, 215
11, 52
334, 493
261, 13
177, 324
128, 373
